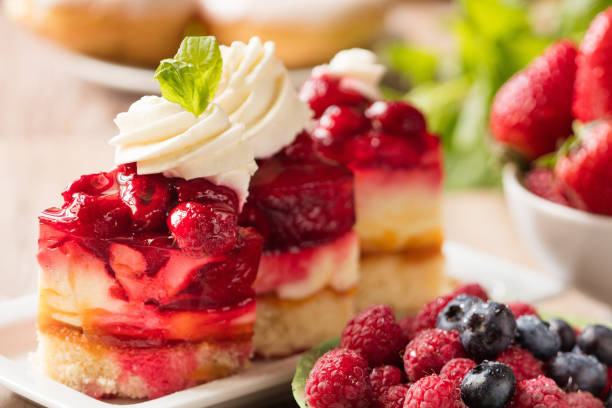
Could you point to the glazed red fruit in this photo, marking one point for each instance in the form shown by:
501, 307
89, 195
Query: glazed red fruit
540, 392
339, 379
100, 216
524, 365
531, 113
383, 377
583, 400
303, 202
374, 334
396, 117
521, 309
433, 391
471, 289
203, 191
541, 182
338, 125
429, 351
593, 89
585, 173
456, 369
149, 198
301, 150
393, 397
90, 184
428, 315
324, 91
203, 229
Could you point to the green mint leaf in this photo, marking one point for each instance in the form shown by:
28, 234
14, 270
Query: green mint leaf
191, 78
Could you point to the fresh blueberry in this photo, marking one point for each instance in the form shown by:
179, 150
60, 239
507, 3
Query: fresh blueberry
450, 317
488, 385
597, 340
578, 372
487, 329
537, 337
565, 332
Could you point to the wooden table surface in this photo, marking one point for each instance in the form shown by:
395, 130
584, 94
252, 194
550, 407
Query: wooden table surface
54, 127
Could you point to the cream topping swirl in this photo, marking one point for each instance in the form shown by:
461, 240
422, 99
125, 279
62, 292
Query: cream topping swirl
162, 137
357, 69
255, 90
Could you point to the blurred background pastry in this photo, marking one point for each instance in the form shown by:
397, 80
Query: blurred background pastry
306, 32
138, 32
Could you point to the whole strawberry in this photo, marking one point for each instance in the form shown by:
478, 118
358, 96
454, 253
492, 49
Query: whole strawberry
585, 174
593, 88
532, 112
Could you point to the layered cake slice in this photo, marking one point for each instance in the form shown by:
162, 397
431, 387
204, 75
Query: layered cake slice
397, 165
146, 283
301, 204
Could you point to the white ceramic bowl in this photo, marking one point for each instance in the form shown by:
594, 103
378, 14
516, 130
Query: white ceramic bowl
575, 245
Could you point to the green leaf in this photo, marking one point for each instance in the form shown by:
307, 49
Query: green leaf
304, 366
576, 16
416, 63
191, 78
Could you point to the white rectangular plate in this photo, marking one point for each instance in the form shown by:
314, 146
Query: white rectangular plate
504, 280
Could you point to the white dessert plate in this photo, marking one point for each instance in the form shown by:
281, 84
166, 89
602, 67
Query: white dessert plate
264, 379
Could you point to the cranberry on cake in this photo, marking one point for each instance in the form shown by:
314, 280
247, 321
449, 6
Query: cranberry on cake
301, 204
146, 285
397, 165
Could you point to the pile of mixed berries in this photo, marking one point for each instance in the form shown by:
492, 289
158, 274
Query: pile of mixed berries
567, 90
464, 350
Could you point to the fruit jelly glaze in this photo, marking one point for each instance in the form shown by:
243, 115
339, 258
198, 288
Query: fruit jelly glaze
111, 267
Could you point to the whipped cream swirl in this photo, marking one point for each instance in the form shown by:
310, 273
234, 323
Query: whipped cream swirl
357, 69
162, 137
255, 90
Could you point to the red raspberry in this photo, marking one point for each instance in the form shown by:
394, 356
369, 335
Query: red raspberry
433, 391
471, 289
90, 184
407, 325
427, 353
375, 334
540, 392
456, 369
427, 317
583, 400
520, 309
396, 117
384, 377
339, 379
524, 365
324, 91
542, 183
149, 197
393, 397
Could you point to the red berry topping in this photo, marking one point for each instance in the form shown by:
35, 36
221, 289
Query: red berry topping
338, 125
383, 377
203, 229
540, 392
90, 184
471, 289
524, 365
375, 334
428, 316
582, 399
324, 91
393, 397
593, 90
203, 191
100, 216
520, 309
302, 149
542, 183
339, 379
396, 117
456, 369
429, 351
148, 197
304, 202
531, 112
585, 173
433, 391
407, 325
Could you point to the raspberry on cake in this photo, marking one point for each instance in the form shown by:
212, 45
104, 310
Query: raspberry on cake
300, 203
146, 283
398, 173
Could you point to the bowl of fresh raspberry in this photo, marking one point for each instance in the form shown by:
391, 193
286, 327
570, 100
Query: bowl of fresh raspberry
554, 119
